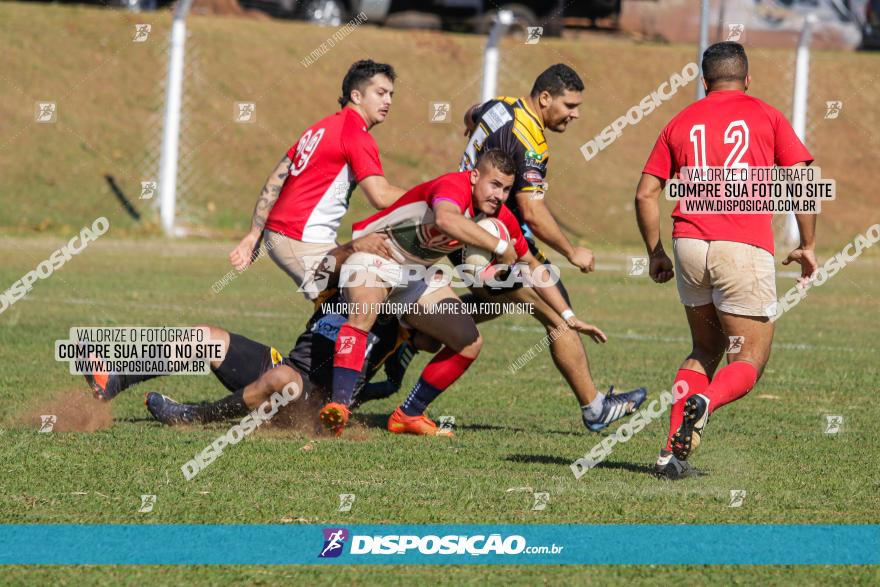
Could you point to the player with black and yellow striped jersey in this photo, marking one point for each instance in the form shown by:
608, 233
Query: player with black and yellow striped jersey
517, 126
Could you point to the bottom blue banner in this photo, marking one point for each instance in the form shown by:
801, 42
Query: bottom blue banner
439, 544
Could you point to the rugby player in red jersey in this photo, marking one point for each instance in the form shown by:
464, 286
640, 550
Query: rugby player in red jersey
306, 196
428, 222
725, 268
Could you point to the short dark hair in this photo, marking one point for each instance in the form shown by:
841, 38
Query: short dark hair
359, 74
556, 79
725, 62
499, 159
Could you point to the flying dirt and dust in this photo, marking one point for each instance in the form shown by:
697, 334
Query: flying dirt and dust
69, 410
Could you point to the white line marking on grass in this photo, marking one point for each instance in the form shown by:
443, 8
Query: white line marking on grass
654, 337
172, 307
276, 315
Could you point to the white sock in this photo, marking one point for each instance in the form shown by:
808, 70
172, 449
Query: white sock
593, 410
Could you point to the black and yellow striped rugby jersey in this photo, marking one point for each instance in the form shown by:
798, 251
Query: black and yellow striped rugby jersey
509, 124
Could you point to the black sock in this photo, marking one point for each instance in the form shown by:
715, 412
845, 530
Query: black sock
231, 406
377, 390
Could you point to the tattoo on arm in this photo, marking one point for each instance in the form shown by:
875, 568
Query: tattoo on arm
269, 194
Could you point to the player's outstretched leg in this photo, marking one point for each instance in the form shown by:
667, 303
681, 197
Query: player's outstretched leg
708, 345
106, 385
598, 410
281, 379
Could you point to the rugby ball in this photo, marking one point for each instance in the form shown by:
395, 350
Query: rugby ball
478, 261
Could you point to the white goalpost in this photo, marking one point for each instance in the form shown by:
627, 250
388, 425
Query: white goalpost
171, 127
799, 109
502, 20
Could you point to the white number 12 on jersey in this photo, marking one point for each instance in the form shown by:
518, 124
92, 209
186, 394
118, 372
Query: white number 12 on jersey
737, 134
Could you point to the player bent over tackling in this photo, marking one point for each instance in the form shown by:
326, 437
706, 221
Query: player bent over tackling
253, 371
425, 224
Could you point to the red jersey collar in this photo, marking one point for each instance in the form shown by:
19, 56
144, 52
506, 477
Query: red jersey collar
352, 111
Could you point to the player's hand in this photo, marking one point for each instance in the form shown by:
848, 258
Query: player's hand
243, 254
375, 243
806, 258
583, 259
593, 332
509, 257
660, 268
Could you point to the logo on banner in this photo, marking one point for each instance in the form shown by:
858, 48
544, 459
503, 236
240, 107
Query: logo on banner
334, 540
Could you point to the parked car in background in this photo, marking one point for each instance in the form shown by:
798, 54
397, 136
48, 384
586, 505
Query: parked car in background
470, 15
871, 26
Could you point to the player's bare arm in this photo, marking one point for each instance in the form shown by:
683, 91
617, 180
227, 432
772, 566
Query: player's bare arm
242, 255
805, 253
380, 193
648, 216
555, 300
453, 223
544, 226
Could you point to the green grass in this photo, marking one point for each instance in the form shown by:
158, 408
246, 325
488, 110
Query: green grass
512, 432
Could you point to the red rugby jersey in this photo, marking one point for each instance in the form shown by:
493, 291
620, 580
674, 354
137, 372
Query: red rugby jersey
409, 222
732, 127
329, 160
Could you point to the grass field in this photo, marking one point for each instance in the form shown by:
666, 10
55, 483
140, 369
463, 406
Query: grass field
520, 432
512, 432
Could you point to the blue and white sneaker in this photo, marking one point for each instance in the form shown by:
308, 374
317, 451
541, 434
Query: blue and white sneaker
688, 436
615, 407
168, 411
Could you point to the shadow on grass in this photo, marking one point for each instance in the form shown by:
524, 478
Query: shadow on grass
541, 459
374, 420
514, 429
631, 467
380, 420
554, 460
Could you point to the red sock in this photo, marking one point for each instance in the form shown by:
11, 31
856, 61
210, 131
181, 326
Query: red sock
697, 383
348, 361
730, 384
445, 368
439, 374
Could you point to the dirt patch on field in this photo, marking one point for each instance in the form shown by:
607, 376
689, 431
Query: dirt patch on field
70, 410
301, 417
